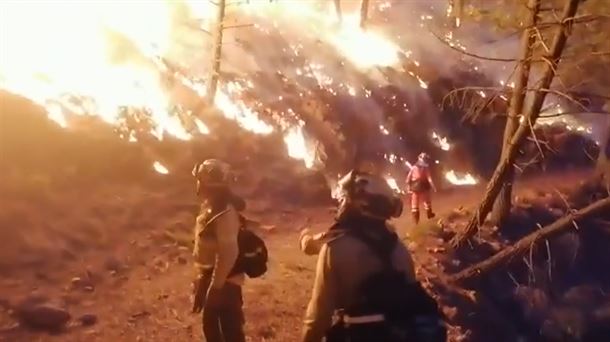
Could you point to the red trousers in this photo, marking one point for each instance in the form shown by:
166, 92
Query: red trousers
418, 197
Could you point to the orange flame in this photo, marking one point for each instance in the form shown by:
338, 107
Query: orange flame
160, 168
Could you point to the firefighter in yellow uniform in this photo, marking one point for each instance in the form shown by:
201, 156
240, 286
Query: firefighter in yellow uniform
218, 290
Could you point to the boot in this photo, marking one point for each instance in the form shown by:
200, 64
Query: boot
415, 215
429, 213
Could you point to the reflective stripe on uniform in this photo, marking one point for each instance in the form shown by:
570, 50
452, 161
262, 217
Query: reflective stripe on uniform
204, 267
363, 319
258, 251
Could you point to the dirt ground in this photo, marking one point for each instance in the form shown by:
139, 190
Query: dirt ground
138, 274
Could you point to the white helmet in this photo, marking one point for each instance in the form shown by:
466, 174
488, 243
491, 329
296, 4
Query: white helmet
211, 173
368, 195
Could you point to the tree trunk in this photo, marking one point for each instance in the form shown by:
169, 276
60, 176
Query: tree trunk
603, 164
530, 117
364, 13
519, 248
217, 55
457, 9
338, 10
503, 203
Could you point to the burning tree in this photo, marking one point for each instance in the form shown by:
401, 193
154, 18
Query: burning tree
543, 49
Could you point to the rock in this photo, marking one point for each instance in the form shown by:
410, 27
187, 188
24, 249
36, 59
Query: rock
137, 316
87, 319
113, 264
82, 284
181, 260
38, 314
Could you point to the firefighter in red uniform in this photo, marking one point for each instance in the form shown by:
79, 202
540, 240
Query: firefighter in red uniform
420, 186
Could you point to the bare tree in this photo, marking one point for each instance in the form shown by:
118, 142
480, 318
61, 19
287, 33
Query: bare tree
364, 13
217, 51
502, 205
551, 59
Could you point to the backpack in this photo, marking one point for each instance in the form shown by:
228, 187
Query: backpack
388, 308
421, 184
253, 253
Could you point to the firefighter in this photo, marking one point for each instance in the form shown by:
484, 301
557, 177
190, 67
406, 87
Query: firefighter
420, 186
218, 288
344, 261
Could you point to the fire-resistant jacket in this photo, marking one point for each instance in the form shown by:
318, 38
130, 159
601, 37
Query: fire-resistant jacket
216, 247
343, 263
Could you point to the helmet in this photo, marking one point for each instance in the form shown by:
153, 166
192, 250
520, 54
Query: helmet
211, 173
368, 195
425, 157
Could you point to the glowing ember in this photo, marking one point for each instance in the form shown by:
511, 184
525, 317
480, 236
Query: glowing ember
160, 168
297, 146
454, 179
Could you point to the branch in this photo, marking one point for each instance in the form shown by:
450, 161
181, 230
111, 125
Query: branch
237, 26
571, 113
519, 248
558, 93
449, 44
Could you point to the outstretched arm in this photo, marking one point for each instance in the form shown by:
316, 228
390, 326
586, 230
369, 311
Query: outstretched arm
311, 244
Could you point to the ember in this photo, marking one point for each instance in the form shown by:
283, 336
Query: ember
160, 168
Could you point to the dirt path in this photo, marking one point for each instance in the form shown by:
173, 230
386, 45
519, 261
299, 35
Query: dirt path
147, 299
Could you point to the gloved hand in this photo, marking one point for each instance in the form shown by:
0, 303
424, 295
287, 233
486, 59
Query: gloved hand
311, 244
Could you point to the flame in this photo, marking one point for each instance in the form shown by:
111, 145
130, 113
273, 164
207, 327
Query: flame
393, 184
297, 146
98, 58
466, 179
160, 168
442, 142
364, 48
74, 55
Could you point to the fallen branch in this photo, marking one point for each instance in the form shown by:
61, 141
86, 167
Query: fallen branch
522, 246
